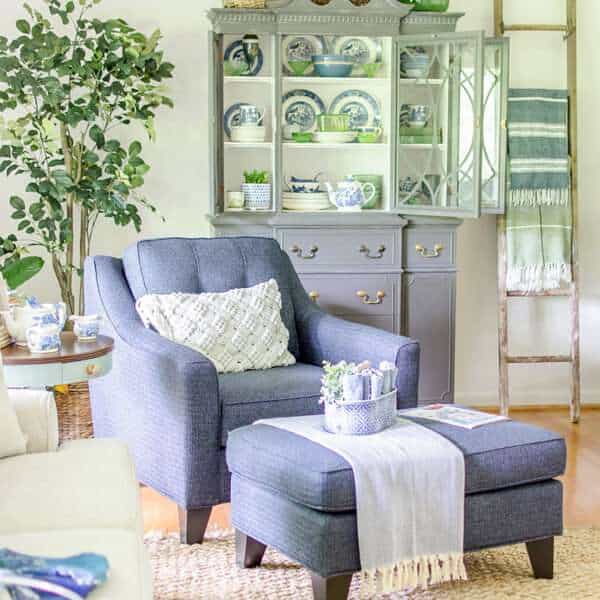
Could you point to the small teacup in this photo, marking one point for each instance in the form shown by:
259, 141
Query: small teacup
42, 339
87, 327
235, 200
415, 115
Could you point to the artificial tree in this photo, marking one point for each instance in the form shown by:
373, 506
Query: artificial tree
69, 85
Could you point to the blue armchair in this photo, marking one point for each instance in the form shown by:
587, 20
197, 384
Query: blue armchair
167, 401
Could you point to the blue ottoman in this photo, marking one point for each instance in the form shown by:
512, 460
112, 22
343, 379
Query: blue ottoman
292, 494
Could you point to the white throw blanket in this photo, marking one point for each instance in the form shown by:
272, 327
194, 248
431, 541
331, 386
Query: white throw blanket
410, 494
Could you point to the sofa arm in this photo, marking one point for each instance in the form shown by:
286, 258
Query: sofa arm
161, 398
36, 413
324, 337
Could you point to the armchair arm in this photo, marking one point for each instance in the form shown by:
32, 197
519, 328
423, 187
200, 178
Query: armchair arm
36, 413
160, 397
324, 337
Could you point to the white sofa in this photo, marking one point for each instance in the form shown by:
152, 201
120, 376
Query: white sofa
81, 497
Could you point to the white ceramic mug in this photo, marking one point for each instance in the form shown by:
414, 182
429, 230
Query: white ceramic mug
251, 115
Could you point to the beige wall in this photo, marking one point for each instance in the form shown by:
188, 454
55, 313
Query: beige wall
178, 185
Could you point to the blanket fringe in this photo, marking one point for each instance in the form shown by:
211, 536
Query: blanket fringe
536, 278
545, 197
409, 574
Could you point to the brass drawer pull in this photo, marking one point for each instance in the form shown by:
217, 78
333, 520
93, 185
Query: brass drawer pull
314, 296
364, 296
367, 252
437, 250
300, 252
92, 370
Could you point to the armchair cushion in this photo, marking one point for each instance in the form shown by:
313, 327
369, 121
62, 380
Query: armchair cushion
12, 439
193, 266
279, 392
36, 412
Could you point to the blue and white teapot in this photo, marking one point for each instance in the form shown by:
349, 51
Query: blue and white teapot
351, 195
19, 319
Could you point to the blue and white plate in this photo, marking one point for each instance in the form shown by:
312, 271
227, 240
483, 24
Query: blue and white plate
301, 47
301, 108
236, 57
232, 117
361, 49
363, 109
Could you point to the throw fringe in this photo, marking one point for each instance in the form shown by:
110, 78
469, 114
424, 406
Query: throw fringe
546, 197
409, 574
536, 278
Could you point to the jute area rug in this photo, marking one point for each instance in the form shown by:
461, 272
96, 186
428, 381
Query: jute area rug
209, 572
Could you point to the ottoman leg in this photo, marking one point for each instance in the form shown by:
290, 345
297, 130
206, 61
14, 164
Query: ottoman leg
248, 551
331, 588
541, 556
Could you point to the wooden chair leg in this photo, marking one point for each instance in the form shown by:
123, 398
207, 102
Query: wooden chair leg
541, 556
192, 524
248, 551
331, 588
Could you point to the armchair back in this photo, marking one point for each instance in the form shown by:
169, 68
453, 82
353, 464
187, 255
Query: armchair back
197, 265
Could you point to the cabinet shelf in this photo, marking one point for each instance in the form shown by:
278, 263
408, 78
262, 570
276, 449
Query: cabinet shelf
349, 146
315, 80
247, 79
249, 145
407, 81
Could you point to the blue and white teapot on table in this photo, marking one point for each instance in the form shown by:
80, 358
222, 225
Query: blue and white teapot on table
351, 195
19, 319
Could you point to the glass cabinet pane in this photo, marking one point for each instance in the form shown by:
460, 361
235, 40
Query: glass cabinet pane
246, 121
439, 102
495, 106
336, 123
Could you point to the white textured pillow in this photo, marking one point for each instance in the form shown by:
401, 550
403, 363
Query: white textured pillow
238, 330
12, 440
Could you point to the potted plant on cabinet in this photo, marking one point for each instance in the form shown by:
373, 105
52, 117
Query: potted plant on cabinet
67, 81
257, 190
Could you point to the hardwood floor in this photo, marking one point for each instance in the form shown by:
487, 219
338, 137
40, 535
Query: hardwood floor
581, 481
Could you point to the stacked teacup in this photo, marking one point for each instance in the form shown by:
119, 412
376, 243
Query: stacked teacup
249, 127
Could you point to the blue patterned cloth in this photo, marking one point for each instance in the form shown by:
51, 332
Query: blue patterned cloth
72, 577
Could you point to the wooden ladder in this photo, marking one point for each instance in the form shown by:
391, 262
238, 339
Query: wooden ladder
572, 292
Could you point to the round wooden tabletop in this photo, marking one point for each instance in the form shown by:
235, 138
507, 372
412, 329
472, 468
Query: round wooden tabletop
71, 351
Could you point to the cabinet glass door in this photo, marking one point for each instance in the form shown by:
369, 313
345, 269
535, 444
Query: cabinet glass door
243, 132
495, 107
439, 103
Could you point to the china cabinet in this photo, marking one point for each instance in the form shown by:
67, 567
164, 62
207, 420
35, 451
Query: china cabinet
414, 144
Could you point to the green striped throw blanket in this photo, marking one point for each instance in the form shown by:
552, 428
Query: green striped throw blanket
538, 212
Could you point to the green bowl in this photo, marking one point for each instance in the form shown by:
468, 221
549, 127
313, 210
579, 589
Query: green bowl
302, 137
368, 138
299, 67
337, 122
428, 5
371, 69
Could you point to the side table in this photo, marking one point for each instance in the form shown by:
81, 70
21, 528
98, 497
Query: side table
76, 362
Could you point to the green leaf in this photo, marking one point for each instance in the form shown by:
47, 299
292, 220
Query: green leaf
135, 149
23, 26
20, 271
17, 203
97, 136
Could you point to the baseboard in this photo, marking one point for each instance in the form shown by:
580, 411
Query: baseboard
590, 398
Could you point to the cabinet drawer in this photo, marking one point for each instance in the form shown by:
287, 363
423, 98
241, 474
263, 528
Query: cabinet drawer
366, 248
87, 369
429, 248
386, 323
338, 294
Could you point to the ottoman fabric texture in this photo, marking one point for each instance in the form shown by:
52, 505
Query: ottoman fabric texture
327, 543
502, 455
